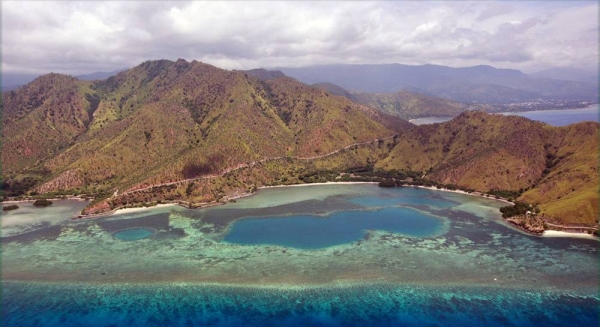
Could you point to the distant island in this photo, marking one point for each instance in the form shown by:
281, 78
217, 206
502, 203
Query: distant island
193, 134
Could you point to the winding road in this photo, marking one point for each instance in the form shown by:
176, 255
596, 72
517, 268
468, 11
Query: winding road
252, 164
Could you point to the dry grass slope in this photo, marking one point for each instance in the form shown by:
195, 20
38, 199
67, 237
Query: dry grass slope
165, 121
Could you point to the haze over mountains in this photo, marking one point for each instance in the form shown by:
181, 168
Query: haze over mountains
14, 81
477, 84
189, 131
568, 74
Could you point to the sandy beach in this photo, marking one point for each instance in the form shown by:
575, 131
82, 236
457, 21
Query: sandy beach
460, 192
141, 209
418, 186
309, 184
555, 233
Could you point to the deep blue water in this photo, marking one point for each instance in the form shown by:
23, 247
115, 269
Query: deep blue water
310, 232
127, 305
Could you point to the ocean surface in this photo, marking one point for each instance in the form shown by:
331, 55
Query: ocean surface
332, 255
551, 117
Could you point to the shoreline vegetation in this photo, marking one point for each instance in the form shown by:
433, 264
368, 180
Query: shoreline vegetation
42, 203
521, 215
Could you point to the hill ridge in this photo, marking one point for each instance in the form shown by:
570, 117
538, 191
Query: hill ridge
163, 126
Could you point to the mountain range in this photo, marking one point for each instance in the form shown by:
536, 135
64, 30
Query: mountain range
477, 84
188, 131
568, 74
14, 81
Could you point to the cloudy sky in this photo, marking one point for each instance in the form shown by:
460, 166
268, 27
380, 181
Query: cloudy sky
84, 37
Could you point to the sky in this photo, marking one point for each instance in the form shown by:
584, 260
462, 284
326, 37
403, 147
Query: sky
84, 37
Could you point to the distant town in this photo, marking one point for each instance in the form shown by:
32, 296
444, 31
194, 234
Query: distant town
541, 105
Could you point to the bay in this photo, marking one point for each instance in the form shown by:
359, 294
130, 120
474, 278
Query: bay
560, 117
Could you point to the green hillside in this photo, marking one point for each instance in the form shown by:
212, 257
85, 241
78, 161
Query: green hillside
165, 121
410, 105
556, 168
190, 132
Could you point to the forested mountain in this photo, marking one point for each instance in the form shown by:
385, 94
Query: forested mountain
164, 120
188, 131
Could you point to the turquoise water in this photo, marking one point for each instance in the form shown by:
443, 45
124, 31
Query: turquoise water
387, 213
31, 218
133, 234
392, 257
551, 117
309, 232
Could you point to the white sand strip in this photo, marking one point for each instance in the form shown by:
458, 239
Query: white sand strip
555, 233
140, 209
310, 184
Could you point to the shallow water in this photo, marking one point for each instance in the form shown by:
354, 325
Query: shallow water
30, 218
466, 268
133, 234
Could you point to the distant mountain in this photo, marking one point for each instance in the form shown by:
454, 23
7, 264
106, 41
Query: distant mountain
191, 132
336, 90
263, 74
14, 81
98, 75
10, 87
11, 81
481, 84
568, 74
409, 105
405, 104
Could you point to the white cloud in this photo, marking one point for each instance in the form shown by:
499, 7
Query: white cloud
81, 37
426, 29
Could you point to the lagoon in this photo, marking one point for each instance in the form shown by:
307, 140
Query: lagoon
310, 232
405, 256
561, 117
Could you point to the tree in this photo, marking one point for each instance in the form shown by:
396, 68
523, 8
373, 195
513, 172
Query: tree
42, 203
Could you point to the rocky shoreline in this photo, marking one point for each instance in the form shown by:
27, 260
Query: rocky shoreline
529, 223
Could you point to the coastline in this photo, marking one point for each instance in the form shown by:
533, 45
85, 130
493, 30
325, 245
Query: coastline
141, 209
119, 211
556, 233
441, 119
590, 106
233, 198
78, 198
477, 194
309, 184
